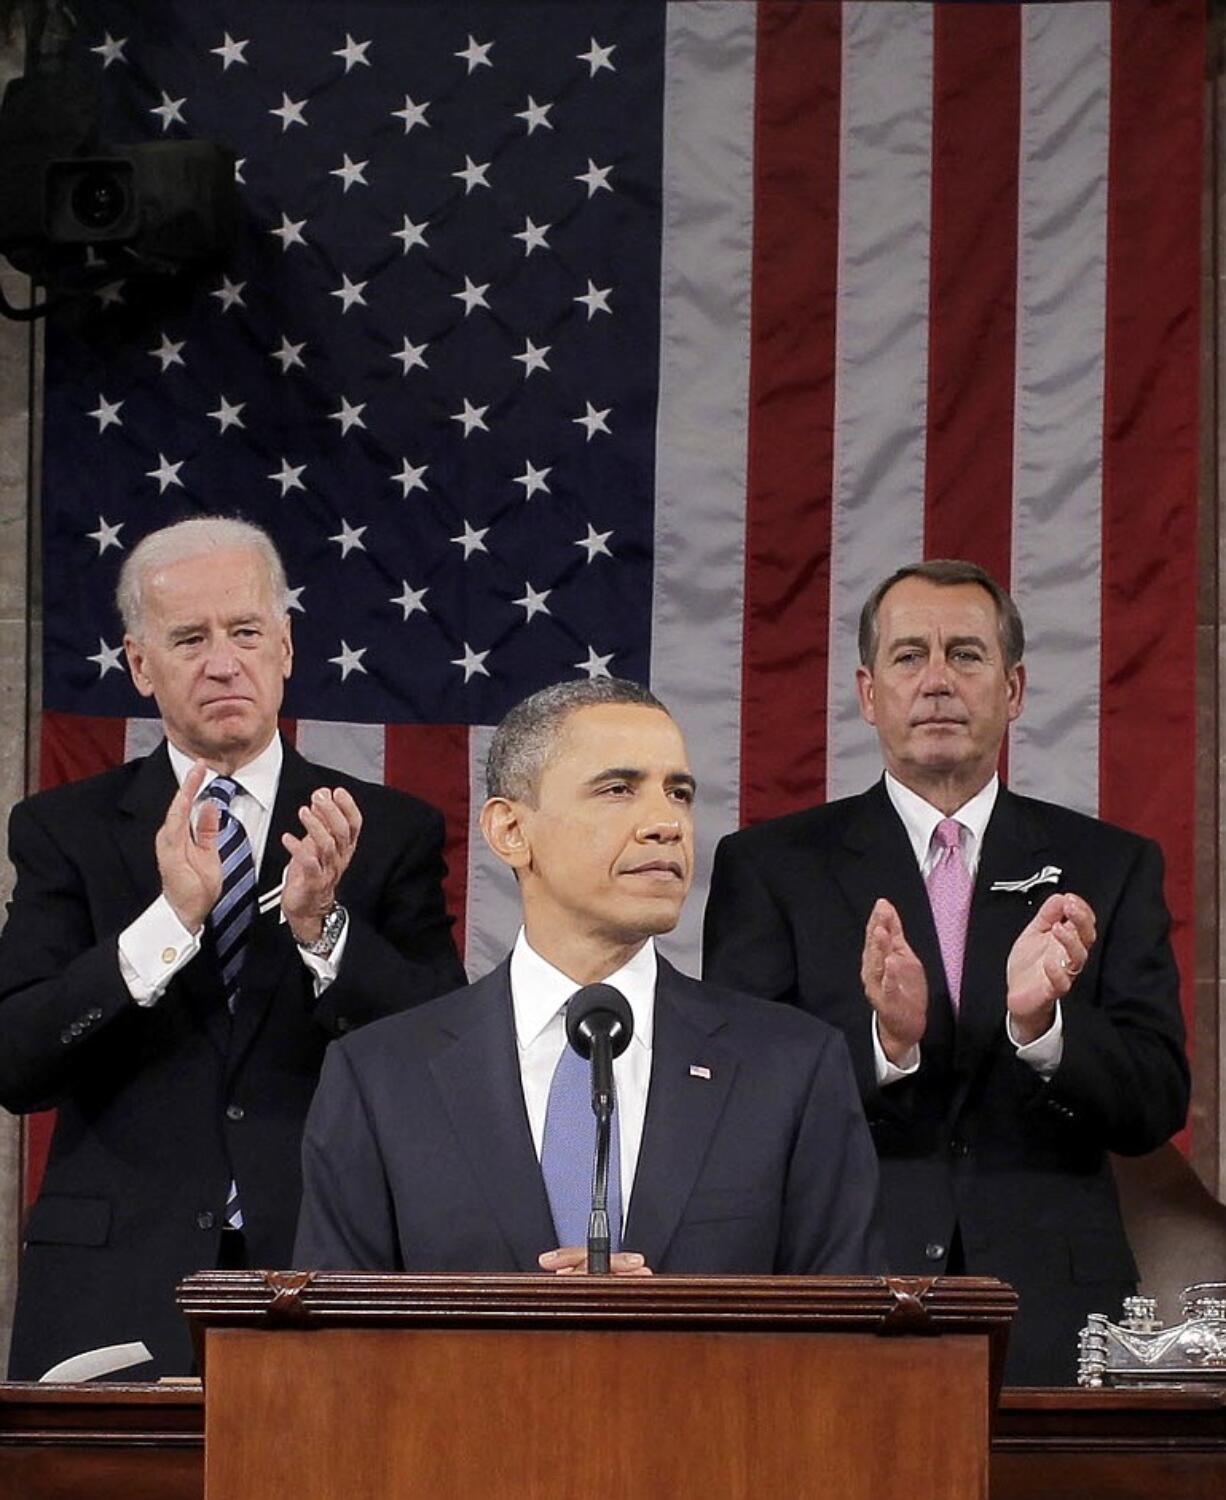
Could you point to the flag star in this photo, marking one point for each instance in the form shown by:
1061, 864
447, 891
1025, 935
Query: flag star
412, 114
229, 294
168, 352
350, 660
410, 599
106, 535
349, 292
293, 599
353, 53
594, 666
166, 473
107, 659
476, 54
533, 236
289, 355
594, 542
532, 358
410, 356
597, 57
535, 115
595, 177
471, 416
349, 538
350, 172
533, 480
412, 234
110, 50
290, 232
473, 174
409, 478
596, 299
472, 661
106, 413
111, 294
533, 603
290, 112
593, 420
349, 415
289, 476
239, 163
472, 540
230, 52
472, 296
170, 111
229, 414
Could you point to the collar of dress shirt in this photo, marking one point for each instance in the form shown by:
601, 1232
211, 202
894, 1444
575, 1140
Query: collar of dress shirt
258, 778
539, 991
920, 818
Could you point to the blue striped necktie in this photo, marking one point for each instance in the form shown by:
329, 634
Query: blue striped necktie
234, 913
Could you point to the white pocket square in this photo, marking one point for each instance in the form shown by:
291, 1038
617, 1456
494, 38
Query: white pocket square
1048, 875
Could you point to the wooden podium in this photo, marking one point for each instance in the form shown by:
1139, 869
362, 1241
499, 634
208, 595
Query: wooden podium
325, 1385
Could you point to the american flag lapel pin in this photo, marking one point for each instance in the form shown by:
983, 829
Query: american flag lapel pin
698, 1070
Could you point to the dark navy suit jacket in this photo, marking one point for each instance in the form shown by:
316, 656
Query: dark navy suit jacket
418, 1155
977, 1143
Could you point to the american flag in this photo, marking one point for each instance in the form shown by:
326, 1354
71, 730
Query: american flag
643, 338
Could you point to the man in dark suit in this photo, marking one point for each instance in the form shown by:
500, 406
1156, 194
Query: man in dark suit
1000, 967
181, 1055
742, 1145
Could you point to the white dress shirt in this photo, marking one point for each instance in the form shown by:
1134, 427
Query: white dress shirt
539, 994
920, 819
154, 947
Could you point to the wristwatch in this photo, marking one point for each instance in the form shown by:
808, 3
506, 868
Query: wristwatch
334, 924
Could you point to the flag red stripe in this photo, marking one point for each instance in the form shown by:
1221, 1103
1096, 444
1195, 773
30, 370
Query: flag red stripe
973, 285
1147, 747
431, 761
791, 410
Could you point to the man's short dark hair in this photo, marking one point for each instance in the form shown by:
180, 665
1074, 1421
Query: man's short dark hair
947, 571
522, 743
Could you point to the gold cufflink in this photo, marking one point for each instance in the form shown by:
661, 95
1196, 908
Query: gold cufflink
169, 955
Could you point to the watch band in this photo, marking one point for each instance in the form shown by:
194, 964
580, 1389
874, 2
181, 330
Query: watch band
334, 920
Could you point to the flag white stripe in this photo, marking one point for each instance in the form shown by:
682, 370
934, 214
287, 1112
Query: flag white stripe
881, 359
706, 265
355, 748
1061, 323
141, 737
492, 900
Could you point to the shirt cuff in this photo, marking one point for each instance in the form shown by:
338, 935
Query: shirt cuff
325, 970
1045, 1052
888, 1072
153, 949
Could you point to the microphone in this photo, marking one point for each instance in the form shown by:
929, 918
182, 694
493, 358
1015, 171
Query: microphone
599, 1025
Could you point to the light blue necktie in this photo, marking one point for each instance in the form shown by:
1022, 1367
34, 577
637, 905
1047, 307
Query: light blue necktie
568, 1152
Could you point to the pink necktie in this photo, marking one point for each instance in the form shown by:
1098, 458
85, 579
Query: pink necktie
949, 893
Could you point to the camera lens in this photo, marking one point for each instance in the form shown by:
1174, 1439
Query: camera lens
98, 200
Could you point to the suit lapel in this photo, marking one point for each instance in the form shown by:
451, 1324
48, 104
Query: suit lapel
1014, 846
141, 812
270, 944
479, 1083
682, 1113
878, 860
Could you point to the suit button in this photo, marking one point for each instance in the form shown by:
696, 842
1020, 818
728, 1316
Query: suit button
93, 1014
934, 1251
343, 1024
205, 1220
234, 1111
959, 1147
77, 1028
66, 1035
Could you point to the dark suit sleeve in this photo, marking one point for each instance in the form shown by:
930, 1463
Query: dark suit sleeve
830, 1224
399, 950
746, 937
1124, 1074
346, 1221
60, 983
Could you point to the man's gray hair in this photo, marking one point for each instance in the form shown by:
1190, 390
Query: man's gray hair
183, 541
946, 571
523, 742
